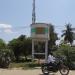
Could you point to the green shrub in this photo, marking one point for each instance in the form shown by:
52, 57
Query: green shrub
5, 58
66, 52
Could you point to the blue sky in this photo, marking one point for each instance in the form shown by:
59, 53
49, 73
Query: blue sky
16, 16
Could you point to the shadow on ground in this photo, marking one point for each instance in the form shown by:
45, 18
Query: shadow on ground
49, 74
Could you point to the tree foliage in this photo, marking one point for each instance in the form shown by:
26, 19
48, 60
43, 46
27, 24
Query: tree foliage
67, 52
2, 44
21, 46
68, 34
6, 56
53, 38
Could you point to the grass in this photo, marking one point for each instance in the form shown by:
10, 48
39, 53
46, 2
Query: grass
25, 65
16, 65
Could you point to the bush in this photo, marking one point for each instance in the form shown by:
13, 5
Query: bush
66, 52
5, 58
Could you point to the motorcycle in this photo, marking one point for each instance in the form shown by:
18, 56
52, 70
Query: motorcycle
54, 67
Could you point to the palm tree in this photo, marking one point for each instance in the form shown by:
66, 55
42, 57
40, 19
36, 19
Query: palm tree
68, 34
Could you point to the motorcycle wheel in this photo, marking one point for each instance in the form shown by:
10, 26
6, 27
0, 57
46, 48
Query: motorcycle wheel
64, 70
45, 70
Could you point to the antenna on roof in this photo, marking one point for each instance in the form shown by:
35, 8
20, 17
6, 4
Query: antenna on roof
33, 13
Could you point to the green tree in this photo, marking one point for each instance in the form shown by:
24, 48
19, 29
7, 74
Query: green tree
15, 46
2, 44
68, 34
21, 46
53, 38
25, 47
22, 37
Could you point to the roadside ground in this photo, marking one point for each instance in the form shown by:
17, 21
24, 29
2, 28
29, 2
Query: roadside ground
16, 71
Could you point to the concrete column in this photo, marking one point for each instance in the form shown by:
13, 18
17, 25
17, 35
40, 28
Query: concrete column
32, 49
46, 50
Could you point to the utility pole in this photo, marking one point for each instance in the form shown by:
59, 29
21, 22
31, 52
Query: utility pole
33, 13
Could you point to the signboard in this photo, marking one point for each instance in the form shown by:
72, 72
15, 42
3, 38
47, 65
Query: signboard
39, 30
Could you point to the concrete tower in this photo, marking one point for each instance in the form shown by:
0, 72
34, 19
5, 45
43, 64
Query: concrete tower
39, 33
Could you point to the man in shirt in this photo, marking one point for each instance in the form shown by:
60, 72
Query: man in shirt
51, 59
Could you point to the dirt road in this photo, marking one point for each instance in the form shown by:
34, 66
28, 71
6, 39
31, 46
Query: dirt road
26, 72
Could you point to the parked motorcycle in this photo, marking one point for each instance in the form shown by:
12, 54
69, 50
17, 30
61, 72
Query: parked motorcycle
58, 65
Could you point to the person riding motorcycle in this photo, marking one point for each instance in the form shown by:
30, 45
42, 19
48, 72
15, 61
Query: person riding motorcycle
51, 59
54, 64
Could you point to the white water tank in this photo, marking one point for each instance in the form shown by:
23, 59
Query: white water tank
40, 31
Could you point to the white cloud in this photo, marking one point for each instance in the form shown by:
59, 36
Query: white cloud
6, 28
8, 31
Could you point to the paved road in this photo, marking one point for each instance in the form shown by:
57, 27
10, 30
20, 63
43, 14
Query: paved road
26, 72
